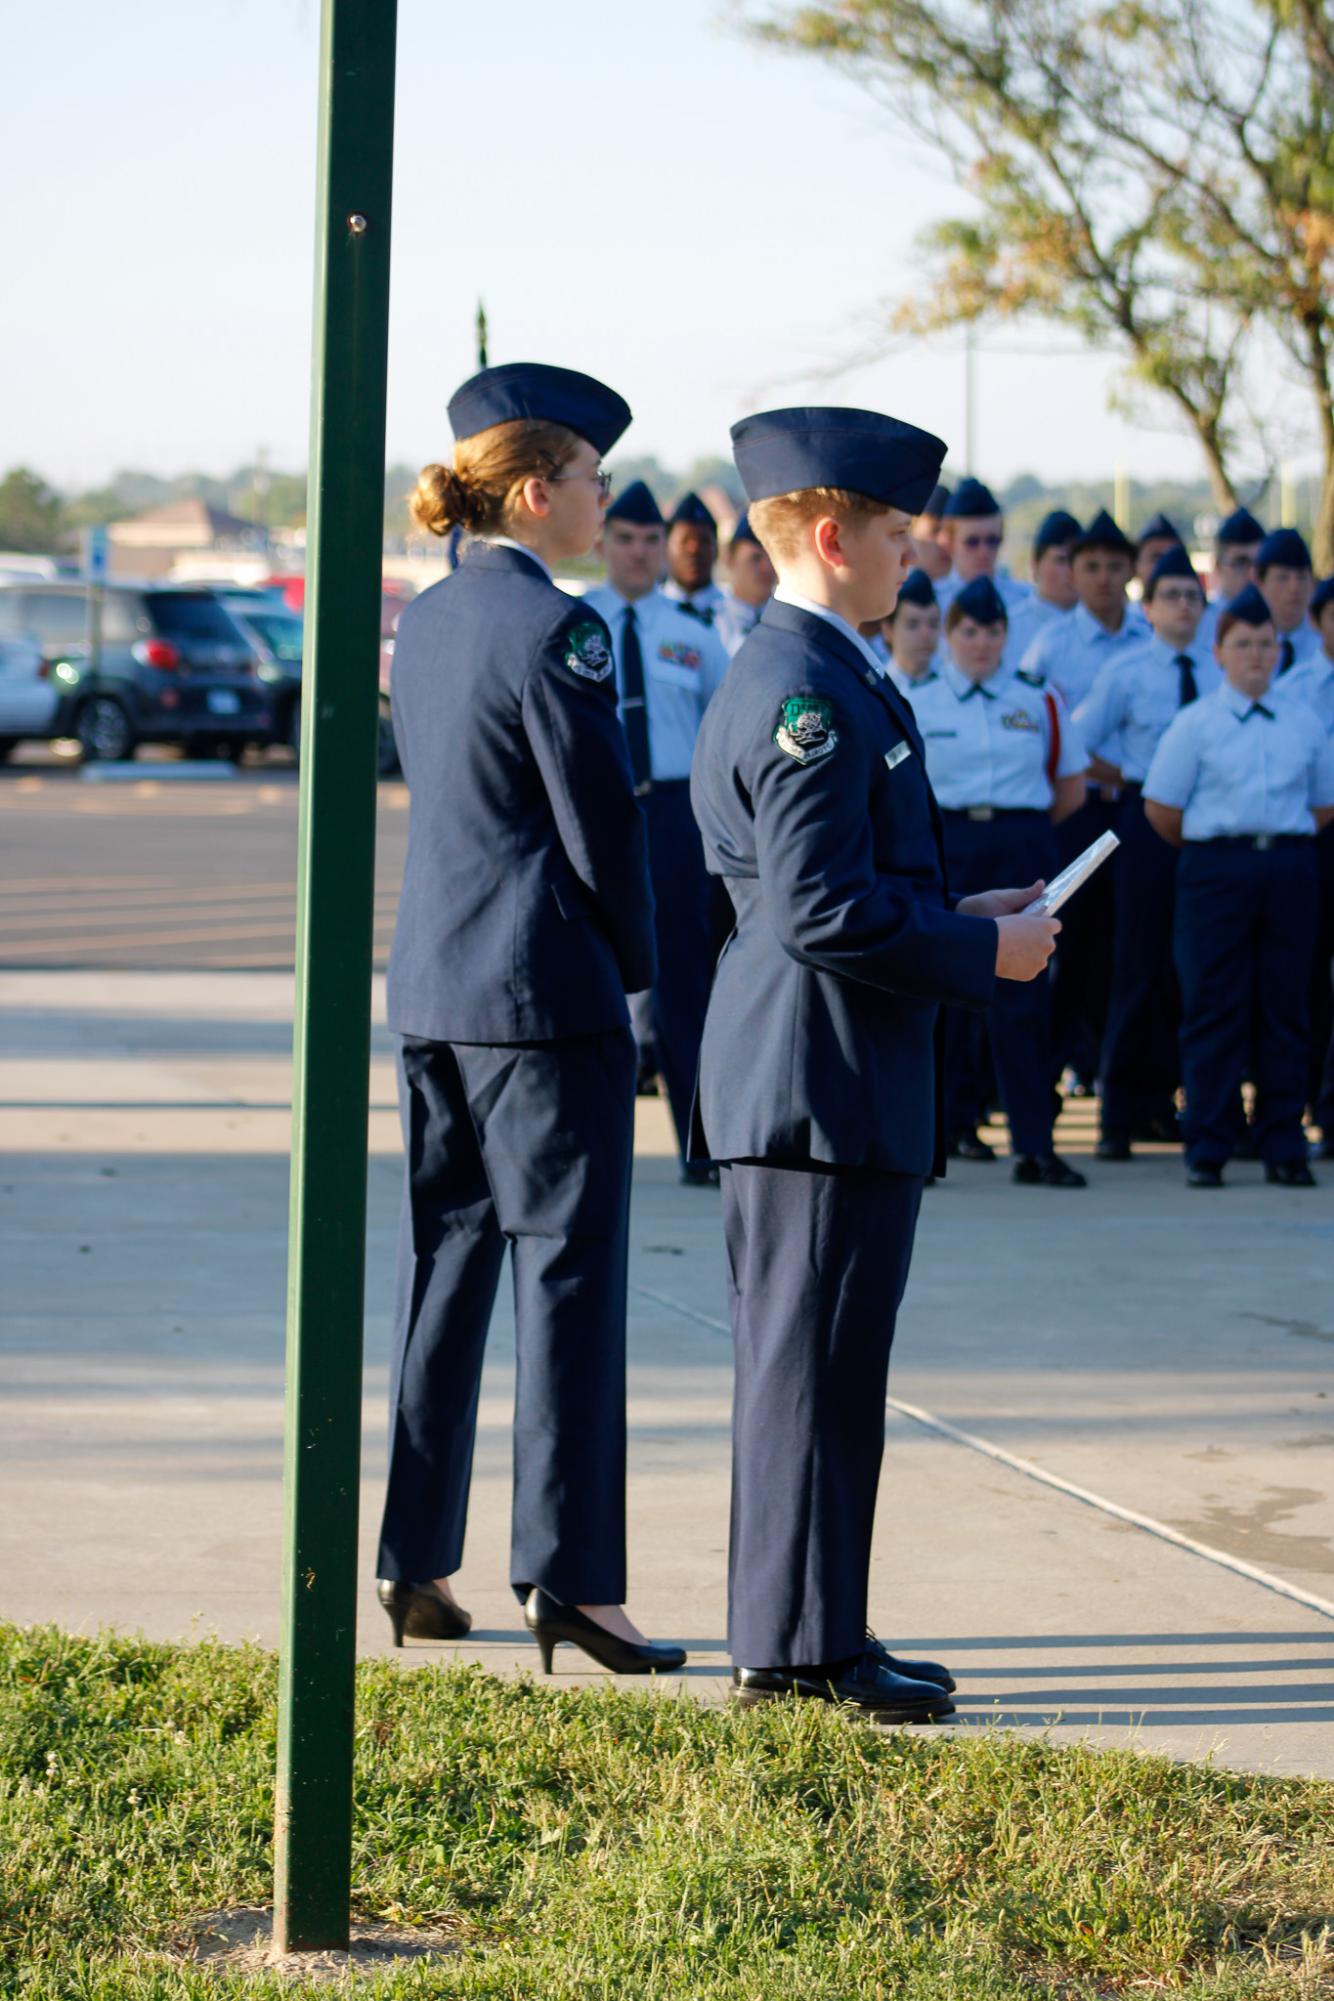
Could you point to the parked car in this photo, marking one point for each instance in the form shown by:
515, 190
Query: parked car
173, 667
275, 634
29, 697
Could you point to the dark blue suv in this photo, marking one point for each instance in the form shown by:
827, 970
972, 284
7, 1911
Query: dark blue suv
171, 666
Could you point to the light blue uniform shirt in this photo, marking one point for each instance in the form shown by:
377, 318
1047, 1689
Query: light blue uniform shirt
988, 742
1026, 621
1133, 700
1306, 648
1241, 767
684, 663
1312, 684
1068, 652
734, 619
705, 603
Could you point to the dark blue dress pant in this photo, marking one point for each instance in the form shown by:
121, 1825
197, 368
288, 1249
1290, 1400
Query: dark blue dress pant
1321, 1088
1083, 964
683, 905
1007, 852
527, 1145
1245, 929
817, 1260
1140, 1052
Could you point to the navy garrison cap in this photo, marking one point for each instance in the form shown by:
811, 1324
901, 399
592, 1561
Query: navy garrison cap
860, 451
1055, 531
1158, 529
1174, 562
1282, 548
551, 395
743, 532
939, 501
917, 588
636, 504
1324, 594
1103, 533
971, 499
691, 508
1240, 526
982, 602
1249, 606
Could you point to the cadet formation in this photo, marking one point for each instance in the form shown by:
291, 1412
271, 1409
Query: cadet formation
761, 826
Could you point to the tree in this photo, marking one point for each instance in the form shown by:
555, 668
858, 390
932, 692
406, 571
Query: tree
31, 515
1145, 171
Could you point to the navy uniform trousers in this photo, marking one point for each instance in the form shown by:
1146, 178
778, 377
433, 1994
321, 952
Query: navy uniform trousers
1014, 847
1140, 1052
1245, 930
528, 1145
682, 903
1083, 967
1320, 1093
806, 1248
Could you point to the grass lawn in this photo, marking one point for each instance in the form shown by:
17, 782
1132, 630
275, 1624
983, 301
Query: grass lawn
610, 1843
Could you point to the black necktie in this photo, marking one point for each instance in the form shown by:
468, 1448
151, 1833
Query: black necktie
980, 688
1287, 653
1186, 668
1258, 709
634, 713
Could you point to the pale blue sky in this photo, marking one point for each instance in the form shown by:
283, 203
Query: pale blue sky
632, 189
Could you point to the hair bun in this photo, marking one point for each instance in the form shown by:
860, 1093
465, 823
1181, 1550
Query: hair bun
443, 500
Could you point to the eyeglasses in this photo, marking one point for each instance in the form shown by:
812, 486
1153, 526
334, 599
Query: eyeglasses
1174, 594
600, 478
982, 541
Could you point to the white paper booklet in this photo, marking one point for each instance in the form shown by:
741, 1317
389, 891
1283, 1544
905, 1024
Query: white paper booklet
1068, 881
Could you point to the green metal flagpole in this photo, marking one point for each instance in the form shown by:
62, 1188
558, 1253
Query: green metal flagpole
336, 874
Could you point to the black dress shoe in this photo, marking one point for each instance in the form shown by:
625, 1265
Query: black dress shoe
1204, 1174
1291, 1174
966, 1145
1113, 1146
550, 1622
701, 1174
1049, 1173
421, 1611
914, 1670
1163, 1131
865, 1682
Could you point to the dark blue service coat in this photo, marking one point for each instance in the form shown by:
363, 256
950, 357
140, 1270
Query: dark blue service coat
819, 1040
525, 914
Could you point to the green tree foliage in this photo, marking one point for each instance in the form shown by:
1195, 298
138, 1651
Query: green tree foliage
31, 515
1148, 172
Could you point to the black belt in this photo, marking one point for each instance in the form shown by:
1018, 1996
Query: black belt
993, 813
1261, 843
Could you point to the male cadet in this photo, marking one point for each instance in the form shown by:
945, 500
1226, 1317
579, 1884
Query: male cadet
972, 530
1283, 572
1313, 684
1069, 652
1122, 720
749, 586
818, 1080
1053, 594
668, 665
692, 551
1156, 537
1235, 547
911, 633
929, 552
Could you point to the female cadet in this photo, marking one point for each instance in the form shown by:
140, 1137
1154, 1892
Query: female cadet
525, 919
911, 633
1004, 763
1241, 782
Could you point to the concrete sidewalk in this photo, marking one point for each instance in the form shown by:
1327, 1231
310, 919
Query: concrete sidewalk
1167, 1350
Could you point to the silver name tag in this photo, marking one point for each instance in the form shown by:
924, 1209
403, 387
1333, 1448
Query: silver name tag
895, 757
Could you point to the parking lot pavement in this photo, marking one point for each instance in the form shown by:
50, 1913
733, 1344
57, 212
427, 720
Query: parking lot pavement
1168, 1355
157, 872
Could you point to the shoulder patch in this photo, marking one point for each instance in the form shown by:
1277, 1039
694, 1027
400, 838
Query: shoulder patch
587, 652
805, 728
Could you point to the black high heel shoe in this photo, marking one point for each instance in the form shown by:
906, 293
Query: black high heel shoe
550, 1622
421, 1611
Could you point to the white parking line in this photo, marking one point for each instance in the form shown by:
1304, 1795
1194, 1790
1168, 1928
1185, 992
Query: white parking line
1032, 1471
